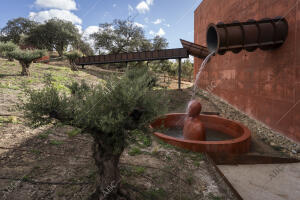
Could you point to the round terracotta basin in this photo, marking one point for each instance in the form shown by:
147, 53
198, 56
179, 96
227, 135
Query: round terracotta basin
239, 134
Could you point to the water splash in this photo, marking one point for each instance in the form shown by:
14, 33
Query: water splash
199, 72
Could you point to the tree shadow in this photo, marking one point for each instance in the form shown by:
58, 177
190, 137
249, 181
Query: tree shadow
48, 161
7, 75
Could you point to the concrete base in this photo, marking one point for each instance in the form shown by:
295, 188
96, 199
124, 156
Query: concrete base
269, 182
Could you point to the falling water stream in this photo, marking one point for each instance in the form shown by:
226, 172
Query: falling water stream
199, 72
196, 81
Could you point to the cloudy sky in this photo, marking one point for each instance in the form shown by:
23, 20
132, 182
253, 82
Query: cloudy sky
172, 19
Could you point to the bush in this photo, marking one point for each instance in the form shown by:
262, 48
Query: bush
26, 57
6, 48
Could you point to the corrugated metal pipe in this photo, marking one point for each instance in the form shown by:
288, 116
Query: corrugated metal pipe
265, 34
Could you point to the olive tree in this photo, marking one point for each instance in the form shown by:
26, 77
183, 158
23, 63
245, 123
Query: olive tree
53, 34
120, 36
110, 112
15, 28
187, 69
159, 43
26, 57
6, 48
72, 56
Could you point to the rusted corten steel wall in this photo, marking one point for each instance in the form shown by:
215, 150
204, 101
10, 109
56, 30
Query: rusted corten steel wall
263, 84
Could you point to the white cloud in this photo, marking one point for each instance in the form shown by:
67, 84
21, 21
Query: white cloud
144, 6
152, 33
139, 25
114, 5
160, 33
168, 25
158, 21
90, 30
149, 2
79, 27
52, 13
87, 32
58, 4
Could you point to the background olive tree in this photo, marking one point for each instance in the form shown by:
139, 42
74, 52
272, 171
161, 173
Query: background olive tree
26, 57
120, 36
53, 34
6, 48
110, 112
72, 56
15, 28
187, 69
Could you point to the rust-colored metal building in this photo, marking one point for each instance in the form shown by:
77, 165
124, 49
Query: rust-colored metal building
263, 84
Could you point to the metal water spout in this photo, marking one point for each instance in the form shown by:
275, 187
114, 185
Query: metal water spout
265, 34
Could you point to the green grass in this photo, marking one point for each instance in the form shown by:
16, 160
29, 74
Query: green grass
213, 197
35, 151
9, 86
56, 142
134, 151
9, 119
45, 134
139, 170
74, 132
190, 179
158, 194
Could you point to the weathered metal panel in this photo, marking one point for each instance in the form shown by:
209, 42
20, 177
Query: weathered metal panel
134, 56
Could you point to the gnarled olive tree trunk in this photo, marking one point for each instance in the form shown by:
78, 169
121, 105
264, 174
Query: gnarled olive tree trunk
73, 65
109, 179
25, 68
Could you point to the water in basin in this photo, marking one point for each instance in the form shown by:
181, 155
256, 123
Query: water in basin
211, 135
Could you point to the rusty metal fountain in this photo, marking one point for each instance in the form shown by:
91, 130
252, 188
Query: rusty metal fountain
210, 133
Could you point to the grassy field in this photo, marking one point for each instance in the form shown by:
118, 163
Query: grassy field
55, 162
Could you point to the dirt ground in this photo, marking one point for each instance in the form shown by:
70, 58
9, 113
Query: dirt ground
55, 162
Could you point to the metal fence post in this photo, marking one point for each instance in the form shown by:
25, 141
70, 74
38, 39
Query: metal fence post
179, 73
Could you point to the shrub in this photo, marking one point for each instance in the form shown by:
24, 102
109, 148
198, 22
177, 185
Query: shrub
26, 57
7, 47
109, 112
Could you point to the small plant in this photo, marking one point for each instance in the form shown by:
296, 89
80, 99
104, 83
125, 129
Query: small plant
74, 132
25, 178
213, 197
158, 193
26, 57
190, 179
139, 170
44, 135
10, 119
35, 151
134, 151
72, 56
56, 142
